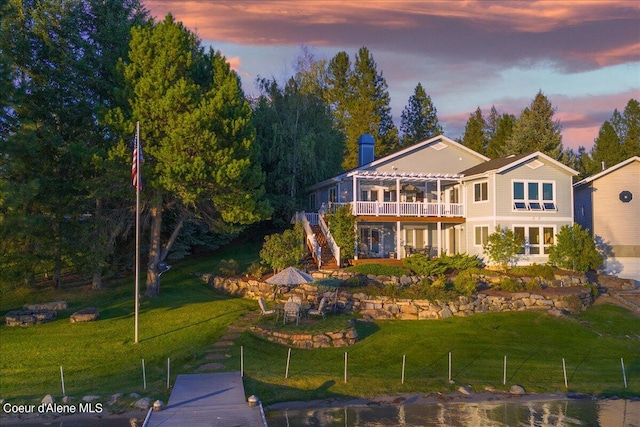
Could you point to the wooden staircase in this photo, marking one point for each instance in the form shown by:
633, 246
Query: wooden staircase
328, 261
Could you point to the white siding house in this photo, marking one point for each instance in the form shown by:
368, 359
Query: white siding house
439, 196
608, 204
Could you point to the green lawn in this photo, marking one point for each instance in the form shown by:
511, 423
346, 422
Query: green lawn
100, 357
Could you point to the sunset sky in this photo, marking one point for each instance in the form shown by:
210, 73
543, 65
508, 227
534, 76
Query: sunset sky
583, 54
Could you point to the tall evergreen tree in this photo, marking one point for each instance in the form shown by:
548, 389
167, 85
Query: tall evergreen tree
361, 104
201, 160
419, 119
499, 133
61, 57
536, 130
299, 145
630, 139
475, 132
618, 139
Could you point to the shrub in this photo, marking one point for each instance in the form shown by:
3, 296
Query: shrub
284, 250
379, 270
423, 266
465, 284
509, 284
343, 229
228, 267
256, 270
503, 247
544, 271
533, 285
356, 281
575, 250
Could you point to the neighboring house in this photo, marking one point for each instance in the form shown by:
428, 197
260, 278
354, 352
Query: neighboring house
608, 204
439, 196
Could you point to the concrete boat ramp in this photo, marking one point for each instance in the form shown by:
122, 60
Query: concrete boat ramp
204, 400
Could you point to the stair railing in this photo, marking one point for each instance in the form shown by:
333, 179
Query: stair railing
335, 249
312, 242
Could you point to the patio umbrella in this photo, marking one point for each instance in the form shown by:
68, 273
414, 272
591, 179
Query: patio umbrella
290, 276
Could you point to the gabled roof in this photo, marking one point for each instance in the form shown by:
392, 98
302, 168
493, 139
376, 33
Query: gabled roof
397, 154
607, 171
419, 146
502, 164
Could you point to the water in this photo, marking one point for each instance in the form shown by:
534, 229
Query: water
605, 413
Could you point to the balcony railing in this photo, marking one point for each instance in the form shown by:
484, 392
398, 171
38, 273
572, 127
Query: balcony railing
416, 209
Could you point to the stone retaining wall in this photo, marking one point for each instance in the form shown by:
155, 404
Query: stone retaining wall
343, 338
570, 296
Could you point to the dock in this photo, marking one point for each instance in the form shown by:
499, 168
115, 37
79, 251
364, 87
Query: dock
204, 400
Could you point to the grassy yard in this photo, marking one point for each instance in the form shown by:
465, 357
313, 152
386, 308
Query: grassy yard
100, 357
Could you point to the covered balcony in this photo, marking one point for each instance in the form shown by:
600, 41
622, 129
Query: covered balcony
401, 194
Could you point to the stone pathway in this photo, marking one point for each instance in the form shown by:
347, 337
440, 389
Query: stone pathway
220, 350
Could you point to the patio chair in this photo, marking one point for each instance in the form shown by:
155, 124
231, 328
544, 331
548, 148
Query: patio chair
291, 311
296, 299
263, 308
321, 308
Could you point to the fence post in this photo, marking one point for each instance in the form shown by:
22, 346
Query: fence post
504, 375
144, 376
64, 393
286, 373
404, 358
345, 367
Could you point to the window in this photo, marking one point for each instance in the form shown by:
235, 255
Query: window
312, 202
333, 194
389, 196
482, 235
537, 240
480, 192
533, 196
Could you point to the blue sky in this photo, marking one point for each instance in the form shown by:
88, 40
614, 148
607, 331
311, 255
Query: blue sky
584, 55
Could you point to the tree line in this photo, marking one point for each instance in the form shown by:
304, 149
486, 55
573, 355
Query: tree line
76, 77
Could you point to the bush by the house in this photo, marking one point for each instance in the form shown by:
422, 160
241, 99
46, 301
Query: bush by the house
424, 266
575, 250
503, 246
379, 270
283, 250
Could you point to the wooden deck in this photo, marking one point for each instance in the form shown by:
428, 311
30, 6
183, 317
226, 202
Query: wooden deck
199, 400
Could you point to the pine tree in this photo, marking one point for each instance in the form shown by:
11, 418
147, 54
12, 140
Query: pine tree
62, 56
618, 139
536, 130
419, 120
498, 138
475, 132
361, 104
201, 160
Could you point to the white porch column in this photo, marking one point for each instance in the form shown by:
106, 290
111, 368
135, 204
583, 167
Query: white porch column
439, 201
398, 240
397, 196
354, 196
439, 233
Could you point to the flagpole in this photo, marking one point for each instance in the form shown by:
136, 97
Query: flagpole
137, 298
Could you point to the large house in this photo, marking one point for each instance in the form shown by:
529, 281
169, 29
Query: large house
608, 205
439, 196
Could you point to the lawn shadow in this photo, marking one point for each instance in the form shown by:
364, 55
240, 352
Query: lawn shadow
282, 397
192, 325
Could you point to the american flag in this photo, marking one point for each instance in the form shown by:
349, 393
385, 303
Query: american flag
136, 161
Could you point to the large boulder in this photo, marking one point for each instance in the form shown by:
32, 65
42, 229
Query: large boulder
85, 315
